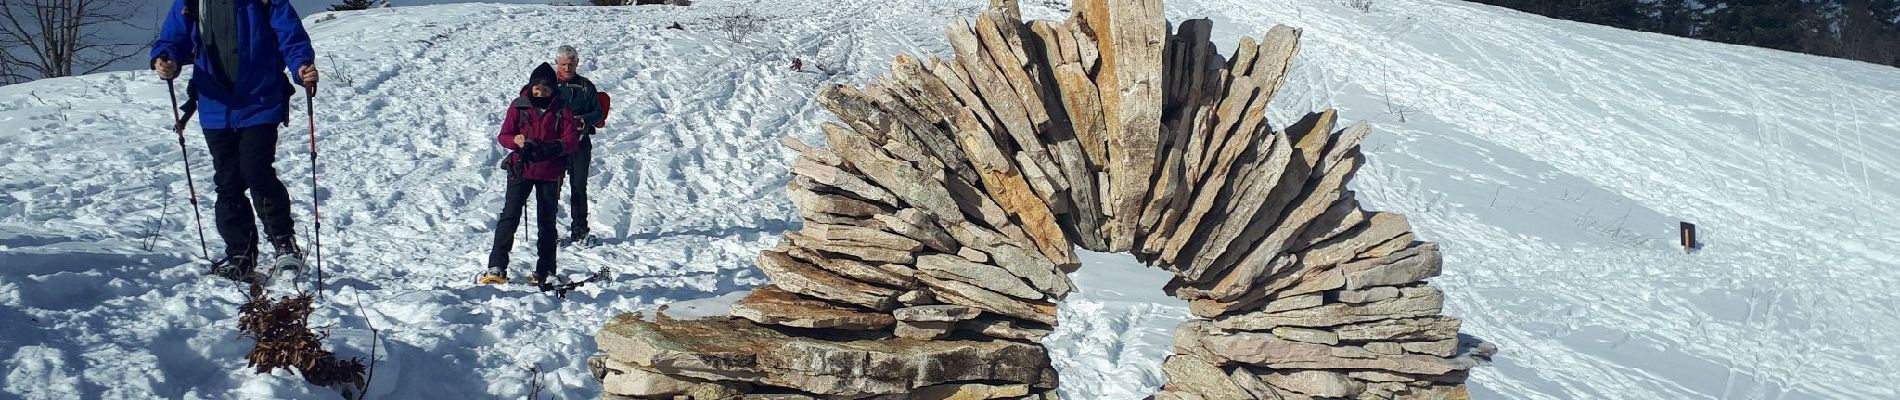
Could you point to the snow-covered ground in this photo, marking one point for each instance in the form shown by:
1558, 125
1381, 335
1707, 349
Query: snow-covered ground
1552, 160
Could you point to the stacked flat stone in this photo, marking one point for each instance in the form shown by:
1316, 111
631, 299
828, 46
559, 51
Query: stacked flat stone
940, 223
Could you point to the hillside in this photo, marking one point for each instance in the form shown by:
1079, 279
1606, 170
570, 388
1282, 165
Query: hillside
1551, 160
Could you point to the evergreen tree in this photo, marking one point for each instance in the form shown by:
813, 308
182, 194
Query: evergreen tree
1618, 13
1884, 35
351, 5
1867, 30
1670, 17
1775, 24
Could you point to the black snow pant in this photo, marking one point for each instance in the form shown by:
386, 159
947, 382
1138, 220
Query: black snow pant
577, 170
241, 161
547, 194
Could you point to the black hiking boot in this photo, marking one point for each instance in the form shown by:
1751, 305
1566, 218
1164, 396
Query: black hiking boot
581, 238
289, 257
541, 278
236, 267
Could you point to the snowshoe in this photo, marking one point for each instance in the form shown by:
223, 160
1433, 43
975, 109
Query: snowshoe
539, 279
560, 289
494, 276
290, 258
237, 267
580, 240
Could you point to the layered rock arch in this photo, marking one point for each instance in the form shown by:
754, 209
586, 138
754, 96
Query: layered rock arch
940, 223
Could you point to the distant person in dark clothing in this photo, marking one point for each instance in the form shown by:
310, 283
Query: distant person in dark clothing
581, 96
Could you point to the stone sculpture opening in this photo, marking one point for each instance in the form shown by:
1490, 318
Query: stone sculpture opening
941, 219
1115, 329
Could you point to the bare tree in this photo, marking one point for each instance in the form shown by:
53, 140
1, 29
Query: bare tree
1363, 6
740, 24
53, 38
6, 68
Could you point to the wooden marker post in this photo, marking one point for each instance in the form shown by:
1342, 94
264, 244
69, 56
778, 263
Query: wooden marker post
1688, 237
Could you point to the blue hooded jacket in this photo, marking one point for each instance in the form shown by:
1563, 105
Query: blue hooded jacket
271, 41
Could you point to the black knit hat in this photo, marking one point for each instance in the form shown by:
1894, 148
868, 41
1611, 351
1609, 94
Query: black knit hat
543, 75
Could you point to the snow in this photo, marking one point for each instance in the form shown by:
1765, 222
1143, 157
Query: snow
1115, 329
1552, 160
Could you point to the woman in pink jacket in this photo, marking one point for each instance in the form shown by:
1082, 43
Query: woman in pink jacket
541, 132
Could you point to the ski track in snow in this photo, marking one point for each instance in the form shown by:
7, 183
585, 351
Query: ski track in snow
1551, 159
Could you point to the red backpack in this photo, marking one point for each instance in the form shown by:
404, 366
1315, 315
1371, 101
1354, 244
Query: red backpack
606, 106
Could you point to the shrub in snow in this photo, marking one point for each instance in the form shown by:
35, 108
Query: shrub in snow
1361, 5
284, 341
739, 24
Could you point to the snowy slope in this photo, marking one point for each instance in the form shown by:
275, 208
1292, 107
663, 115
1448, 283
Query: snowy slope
1552, 160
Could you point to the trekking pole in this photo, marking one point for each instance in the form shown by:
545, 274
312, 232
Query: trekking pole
178, 126
316, 214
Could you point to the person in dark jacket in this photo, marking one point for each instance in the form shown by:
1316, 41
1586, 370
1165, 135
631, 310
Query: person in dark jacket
579, 95
241, 50
541, 132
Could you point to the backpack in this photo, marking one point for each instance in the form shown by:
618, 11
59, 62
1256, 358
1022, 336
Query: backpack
191, 8
190, 12
606, 105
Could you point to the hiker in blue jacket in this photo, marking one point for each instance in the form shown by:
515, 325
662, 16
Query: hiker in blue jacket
241, 50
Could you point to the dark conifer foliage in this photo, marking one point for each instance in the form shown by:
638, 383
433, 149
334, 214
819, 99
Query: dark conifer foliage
1866, 30
351, 5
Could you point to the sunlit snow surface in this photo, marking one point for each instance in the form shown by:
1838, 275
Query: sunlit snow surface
1115, 329
1551, 160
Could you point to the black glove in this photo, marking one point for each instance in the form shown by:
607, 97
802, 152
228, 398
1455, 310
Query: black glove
550, 151
538, 152
528, 151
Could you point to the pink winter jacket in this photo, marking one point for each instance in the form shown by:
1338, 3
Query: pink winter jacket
554, 126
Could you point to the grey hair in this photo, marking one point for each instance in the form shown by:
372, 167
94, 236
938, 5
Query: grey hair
566, 51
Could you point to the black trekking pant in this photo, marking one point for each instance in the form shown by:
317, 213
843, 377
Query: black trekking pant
546, 197
241, 161
577, 170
